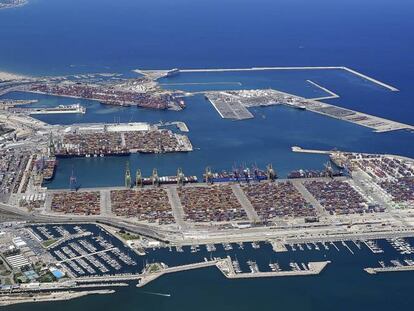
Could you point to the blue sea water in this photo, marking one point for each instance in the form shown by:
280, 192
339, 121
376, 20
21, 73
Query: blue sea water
49, 37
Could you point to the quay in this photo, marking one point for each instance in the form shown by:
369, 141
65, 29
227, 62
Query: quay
226, 267
278, 246
235, 104
313, 151
389, 269
148, 277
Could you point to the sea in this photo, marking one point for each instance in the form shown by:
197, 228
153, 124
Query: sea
64, 37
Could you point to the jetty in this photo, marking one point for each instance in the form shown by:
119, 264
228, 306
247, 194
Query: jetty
226, 267
148, 276
332, 95
314, 151
389, 269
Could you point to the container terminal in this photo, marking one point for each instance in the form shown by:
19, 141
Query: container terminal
234, 105
108, 90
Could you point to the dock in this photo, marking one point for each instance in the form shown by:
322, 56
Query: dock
226, 267
314, 151
230, 109
278, 246
148, 277
389, 269
235, 104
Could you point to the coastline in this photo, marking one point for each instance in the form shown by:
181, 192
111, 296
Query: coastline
8, 300
6, 76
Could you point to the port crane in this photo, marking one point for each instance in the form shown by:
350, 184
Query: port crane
328, 170
73, 184
180, 177
138, 179
155, 178
127, 176
271, 174
209, 175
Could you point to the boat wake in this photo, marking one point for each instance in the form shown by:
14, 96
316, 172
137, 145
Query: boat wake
156, 294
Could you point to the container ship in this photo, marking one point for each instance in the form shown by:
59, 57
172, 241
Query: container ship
102, 153
313, 174
47, 167
240, 175
168, 180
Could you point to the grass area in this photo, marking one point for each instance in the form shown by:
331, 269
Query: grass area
47, 278
4, 272
153, 268
7, 281
48, 242
128, 236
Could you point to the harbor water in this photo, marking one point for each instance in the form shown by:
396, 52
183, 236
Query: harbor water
374, 37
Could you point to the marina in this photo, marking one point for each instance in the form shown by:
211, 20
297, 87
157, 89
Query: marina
90, 257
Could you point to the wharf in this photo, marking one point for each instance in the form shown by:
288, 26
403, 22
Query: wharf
235, 104
378, 124
278, 246
148, 277
231, 110
389, 269
182, 126
331, 152
226, 267
314, 151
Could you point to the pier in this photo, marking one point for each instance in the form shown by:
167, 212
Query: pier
332, 95
389, 269
148, 277
226, 267
313, 151
278, 246
352, 71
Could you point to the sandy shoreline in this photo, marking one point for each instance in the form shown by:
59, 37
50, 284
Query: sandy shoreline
4, 76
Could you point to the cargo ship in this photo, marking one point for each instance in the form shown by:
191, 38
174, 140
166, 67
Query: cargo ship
47, 167
313, 174
66, 154
239, 175
169, 180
